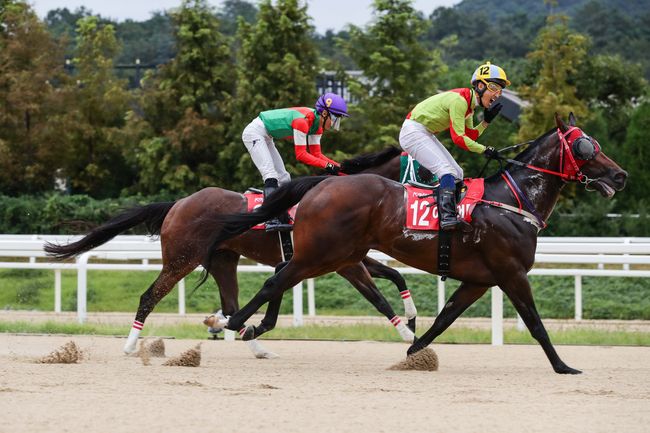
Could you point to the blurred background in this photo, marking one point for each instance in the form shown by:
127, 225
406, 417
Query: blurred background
99, 112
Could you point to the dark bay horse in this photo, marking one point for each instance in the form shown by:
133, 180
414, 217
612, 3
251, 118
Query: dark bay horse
187, 225
357, 213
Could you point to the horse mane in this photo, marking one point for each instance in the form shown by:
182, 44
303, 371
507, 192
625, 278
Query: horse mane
368, 160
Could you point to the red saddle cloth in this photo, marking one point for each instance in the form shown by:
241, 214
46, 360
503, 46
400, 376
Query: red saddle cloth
422, 212
255, 200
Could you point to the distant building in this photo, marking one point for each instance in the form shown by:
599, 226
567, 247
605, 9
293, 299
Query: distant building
327, 81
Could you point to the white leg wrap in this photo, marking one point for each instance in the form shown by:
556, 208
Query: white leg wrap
259, 351
409, 306
221, 322
404, 332
132, 340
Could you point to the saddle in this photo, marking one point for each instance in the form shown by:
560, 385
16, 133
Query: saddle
410, 171
254, 199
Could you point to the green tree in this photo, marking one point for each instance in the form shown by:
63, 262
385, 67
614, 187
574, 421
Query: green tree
398, 71
633, 158
557, 57
184, 108
30, 72
610, 86
97, 105
150, 41
277, 67
231, 11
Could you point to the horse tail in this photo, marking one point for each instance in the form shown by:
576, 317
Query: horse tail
152, 215
278, 202
369, 160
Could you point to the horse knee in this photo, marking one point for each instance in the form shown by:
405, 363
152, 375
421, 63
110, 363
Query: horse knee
268, 289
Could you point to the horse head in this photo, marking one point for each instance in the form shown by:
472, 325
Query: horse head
583, 158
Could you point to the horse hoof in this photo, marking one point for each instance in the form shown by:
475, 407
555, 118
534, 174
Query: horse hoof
413, 349
266, 355
565, 369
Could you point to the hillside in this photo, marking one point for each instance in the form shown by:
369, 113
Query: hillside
629, 8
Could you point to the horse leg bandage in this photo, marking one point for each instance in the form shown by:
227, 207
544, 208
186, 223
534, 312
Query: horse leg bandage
404, 332
409, 306
132, 340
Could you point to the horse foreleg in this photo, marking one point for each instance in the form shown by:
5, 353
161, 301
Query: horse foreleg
517, 288
359, 277
459, 301
379, 270
269, 320
149, 299
273, 288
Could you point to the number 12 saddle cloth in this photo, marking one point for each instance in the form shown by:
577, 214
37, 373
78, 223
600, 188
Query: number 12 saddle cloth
422, 211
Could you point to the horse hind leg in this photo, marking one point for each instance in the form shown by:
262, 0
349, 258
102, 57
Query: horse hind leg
379, 270
271, 291
359, 277
163, 284
224, 272
356, 274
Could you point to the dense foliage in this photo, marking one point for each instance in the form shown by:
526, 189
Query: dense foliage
78, 114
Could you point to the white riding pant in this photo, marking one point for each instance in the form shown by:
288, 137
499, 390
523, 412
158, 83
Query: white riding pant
265, 156
422, 145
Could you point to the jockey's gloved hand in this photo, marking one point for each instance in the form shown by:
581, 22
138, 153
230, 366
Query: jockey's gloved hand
490, 113
332, 169
491, 153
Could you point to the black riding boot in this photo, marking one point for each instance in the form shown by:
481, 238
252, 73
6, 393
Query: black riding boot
447, 209
277, 224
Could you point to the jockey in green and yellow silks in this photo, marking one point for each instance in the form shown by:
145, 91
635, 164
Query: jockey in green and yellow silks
302, 125
454, 111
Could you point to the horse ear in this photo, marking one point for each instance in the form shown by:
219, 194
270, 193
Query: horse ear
560, 123
572, 119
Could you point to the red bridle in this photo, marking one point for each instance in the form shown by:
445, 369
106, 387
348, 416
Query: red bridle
569, 164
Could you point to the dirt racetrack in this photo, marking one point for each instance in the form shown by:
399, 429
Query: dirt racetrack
321, 387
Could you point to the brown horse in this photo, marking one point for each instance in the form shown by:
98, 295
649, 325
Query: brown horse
186, 227
370, 210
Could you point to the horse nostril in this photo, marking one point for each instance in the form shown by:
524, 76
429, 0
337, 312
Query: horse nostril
620, 177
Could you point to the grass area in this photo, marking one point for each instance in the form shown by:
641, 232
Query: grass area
603, 297
341, 333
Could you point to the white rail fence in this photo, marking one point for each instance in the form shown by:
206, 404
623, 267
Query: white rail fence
608, 257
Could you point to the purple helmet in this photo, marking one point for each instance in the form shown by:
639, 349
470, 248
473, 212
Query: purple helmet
333, 103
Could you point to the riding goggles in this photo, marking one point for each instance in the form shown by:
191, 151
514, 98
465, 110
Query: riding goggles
336, 121
494, 87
